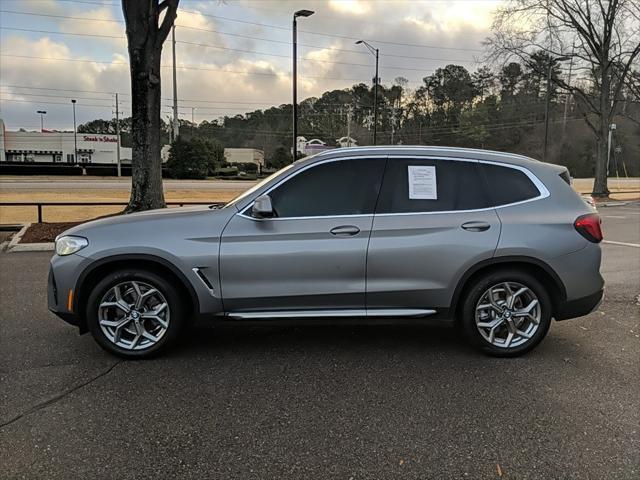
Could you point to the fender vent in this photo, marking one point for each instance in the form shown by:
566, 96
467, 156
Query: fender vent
203, 278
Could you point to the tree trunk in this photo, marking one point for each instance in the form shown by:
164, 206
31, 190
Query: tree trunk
146, 165
600, 188
145, 36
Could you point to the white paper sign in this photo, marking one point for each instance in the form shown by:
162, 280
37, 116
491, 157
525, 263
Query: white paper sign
422, 183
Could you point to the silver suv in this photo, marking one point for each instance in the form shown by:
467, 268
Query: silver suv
498, 243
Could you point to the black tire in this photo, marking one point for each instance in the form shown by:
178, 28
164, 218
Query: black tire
163, 286
475, 292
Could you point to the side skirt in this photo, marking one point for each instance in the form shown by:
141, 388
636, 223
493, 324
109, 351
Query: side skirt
347, 313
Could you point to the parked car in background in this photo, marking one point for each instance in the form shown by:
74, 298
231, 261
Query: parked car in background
499, 243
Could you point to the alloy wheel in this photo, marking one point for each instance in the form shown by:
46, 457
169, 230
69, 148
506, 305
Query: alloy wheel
133, 315
508, 314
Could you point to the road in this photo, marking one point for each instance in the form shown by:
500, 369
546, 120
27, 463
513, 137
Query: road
49, 184
319, 402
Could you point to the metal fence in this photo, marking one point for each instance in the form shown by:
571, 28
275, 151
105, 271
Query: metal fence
39, 205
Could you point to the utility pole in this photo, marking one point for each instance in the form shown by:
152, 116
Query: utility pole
193, 115
566, 100
176, 126
349, 126
75, 134
612, 127
393, 123
547, 102
299, 13
375, 52
118, 136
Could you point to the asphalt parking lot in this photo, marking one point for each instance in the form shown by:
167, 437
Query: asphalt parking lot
360, 402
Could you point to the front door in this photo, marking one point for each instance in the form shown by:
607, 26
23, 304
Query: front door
311, 256
433, 222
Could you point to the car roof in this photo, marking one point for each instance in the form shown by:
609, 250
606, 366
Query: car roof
420, 150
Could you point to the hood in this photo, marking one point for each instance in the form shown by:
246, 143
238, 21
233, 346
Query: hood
161, 229
158, 215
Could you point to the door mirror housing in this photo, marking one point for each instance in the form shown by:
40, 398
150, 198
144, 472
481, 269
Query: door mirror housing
262, 207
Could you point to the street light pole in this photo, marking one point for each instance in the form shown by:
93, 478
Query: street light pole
75, 133
546, 104
375, 52
176, 124
42, 113
299, 13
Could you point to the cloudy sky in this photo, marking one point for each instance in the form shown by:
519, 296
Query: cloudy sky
232, 55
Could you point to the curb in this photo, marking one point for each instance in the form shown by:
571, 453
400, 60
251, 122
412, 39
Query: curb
32, 247
16, 246
611, 204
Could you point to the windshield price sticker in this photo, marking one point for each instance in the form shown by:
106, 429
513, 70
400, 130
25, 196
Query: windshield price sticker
422, 183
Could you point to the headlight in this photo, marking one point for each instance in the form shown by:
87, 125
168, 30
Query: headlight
69, 244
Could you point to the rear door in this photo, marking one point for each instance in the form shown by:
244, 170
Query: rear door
433, 222
312, 255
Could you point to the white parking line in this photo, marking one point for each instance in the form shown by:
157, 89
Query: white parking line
624, 244
614, 216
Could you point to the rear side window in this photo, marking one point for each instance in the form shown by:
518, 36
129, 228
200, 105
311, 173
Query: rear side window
508, 185
444, 185
345, 187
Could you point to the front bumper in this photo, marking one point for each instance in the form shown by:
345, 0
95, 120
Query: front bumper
578, 307
62, 280
56, 300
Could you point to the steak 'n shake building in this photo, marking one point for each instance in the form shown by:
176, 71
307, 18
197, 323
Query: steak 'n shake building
58, 147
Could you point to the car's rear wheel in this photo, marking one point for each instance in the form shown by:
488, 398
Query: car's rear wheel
134, 314
506, 313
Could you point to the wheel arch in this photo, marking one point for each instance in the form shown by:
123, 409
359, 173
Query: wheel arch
96, 270
539, 269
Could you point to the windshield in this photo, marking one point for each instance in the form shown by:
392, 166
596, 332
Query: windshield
259, 185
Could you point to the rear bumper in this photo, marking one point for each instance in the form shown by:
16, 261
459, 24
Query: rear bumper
578, 307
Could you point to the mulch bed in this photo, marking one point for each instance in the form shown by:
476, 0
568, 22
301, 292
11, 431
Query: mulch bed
46, 232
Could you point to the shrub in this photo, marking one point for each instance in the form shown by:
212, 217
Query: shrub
194, 158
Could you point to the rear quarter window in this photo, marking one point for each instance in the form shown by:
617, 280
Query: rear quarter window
508, 185
459, 187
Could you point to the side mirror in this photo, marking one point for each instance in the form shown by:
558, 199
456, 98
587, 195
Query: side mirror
262, 207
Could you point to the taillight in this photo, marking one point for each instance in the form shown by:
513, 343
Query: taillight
589, 227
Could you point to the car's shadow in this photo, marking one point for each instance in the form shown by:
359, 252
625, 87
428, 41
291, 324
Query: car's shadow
239, 338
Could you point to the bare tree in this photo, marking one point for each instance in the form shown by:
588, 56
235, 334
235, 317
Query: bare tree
148, 25
602, 39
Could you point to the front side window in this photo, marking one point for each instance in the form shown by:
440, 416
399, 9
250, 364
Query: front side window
431, 185
343, 187
508, 185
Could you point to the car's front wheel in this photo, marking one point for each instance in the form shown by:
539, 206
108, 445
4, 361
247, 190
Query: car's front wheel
506, 313
134, 313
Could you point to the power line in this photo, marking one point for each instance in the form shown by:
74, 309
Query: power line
61, 89
50, 15
396, 67
62, 33
250, 23
279, 27
219, 47
55, 103
54, 96
359, 52
186, 67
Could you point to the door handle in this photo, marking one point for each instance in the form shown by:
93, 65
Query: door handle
345, 231
476, 226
